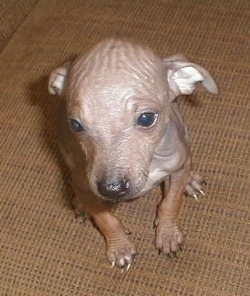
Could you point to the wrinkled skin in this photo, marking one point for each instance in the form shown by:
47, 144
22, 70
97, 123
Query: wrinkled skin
113, 158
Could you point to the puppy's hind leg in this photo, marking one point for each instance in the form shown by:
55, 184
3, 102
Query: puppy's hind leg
195, 186
79, 208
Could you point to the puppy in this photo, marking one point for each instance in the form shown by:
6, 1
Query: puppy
121, 134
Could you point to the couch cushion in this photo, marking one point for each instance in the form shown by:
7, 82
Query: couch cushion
12, 14
44, 250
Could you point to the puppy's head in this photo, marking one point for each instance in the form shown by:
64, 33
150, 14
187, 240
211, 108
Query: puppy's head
118, 103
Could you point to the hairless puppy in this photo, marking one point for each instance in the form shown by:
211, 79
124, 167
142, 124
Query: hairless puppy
121, 134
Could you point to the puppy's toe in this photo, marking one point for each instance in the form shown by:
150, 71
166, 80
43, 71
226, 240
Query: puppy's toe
195, 186
121, 252
168, 239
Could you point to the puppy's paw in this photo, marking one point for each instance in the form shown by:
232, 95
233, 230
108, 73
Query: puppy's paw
195, 186
79, 210
82, 217
121, 252
168, 238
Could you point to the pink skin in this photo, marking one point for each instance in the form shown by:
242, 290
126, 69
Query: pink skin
114, 158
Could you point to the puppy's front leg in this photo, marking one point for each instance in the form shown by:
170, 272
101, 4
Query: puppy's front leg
120, 249
169, 237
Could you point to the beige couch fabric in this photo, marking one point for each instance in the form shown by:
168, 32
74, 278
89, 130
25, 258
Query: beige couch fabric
12, 14
44, 250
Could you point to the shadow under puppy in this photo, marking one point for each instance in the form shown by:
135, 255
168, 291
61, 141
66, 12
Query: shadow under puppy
121, 134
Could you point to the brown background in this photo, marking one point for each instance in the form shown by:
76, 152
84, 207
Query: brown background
44, 250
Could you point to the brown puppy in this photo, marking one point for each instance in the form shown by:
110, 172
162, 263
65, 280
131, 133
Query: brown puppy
121, 134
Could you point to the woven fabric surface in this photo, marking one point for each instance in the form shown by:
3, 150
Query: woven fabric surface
44, 250
12, 14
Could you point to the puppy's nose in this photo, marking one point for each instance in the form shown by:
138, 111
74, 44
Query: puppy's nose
113, 189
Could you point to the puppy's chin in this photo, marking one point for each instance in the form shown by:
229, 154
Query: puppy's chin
113, 199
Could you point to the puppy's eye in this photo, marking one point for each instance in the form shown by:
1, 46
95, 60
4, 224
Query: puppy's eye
147, 119
75, 125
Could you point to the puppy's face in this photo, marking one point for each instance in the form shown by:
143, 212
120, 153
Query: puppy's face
118, 108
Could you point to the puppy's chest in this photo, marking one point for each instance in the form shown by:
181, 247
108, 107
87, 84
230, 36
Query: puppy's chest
162, 167
155, 178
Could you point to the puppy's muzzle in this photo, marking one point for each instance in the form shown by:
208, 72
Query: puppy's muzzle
114, 189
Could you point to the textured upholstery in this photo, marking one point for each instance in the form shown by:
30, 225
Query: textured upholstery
43, 249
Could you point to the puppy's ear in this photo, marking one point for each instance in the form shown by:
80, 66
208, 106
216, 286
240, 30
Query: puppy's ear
183, 75
57, 79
